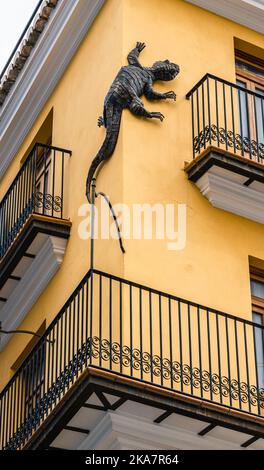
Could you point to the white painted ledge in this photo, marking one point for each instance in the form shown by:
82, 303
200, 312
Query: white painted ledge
225, 190
122, 432
55, 48
32, 284
249, 13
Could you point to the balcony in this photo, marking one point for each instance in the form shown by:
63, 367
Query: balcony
116, 344
228, 146
33, 230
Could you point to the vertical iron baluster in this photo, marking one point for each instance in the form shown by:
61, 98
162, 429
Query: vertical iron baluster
45, 195
193, 135
170, 340
140, 334
2, 425
200, 351
225, 117
110, 323
237, 364
12, 410
256, 368
8, 414
61, 352
256, 126
150, 336
228, 360
56, 328
83, 349
3, 416
190, 347
53, 180
247, 368
233, 119
198, 119
70, 356
121, 326
241, 123
32, 388
248, 97
78, 357
74, 356
19, 402
66, 343
131, 328
87, 347
262, 118
219, 357
161, 341
203, 115
91, 317
217, 113
62, 185
49, 380
34, 176
100, 320
209, 351
209, 110
180, 342
52, 365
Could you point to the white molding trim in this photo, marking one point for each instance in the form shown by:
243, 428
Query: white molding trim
249, 13
123, 432
55, 48
231, 196
32, 284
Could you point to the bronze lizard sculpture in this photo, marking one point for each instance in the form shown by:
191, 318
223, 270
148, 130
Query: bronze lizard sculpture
131, 82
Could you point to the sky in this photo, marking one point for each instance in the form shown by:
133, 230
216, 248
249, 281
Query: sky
14, 17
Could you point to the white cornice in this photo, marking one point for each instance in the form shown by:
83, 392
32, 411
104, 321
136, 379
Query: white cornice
32, 284
232, 196
124, 432
248, 13
49, 58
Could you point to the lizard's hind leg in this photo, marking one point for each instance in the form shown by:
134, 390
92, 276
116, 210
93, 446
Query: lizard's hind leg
101, 121
137, 108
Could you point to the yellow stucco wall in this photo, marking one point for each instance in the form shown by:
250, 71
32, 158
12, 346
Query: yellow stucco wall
147, 166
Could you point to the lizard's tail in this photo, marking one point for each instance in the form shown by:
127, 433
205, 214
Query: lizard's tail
108, 147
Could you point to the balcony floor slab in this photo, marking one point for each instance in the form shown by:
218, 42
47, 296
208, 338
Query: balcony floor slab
106, 411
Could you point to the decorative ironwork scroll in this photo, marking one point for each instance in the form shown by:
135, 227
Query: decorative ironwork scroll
47, 202
228, 138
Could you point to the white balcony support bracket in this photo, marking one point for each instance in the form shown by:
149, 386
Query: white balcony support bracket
31, 285
123, 432
226, 190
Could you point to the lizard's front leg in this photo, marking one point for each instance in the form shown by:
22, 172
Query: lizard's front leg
155, 95
132, 57
137, 108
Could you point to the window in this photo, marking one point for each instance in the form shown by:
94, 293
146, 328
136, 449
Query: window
251, 107
257, 293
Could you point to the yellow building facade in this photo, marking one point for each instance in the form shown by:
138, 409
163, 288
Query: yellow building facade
172, 327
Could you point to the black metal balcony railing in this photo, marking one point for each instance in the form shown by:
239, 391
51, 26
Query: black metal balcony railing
38, 188
228, 116
120, 326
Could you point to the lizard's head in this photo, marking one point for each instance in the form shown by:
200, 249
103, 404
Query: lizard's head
165, 70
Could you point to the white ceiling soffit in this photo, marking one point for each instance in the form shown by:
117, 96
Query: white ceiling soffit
249, 13
56, 46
